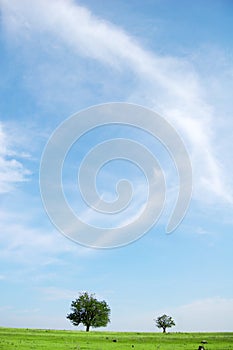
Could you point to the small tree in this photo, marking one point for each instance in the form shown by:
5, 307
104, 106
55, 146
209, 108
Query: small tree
164, 322
89, 311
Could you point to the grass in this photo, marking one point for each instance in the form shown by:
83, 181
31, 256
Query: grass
31, 339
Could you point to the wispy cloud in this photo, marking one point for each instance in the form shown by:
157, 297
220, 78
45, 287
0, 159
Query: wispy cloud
21, 243
125, 216
169, 84
54, 293
202, 231
215, 312
12, 170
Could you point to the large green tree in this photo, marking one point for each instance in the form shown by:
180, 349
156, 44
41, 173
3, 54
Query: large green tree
89, 311
164, 322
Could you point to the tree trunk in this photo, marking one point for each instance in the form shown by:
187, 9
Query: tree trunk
164, 330
87, 328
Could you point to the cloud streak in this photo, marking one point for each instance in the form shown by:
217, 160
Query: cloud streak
167, 83
215, 312
12, 171
23, 244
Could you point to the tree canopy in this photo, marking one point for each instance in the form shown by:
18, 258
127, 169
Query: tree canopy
164, 322
89, 311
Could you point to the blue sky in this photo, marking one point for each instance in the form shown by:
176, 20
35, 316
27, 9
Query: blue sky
174, 57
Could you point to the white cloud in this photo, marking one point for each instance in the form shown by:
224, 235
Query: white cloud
169, 84
212, 314
24, 244
98, 39
208, 171
54, 293
125, 216
202, 231
12, 171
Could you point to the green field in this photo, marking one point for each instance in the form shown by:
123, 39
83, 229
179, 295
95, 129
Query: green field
29, 339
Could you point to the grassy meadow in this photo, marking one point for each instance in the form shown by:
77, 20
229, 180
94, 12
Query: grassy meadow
29, 339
